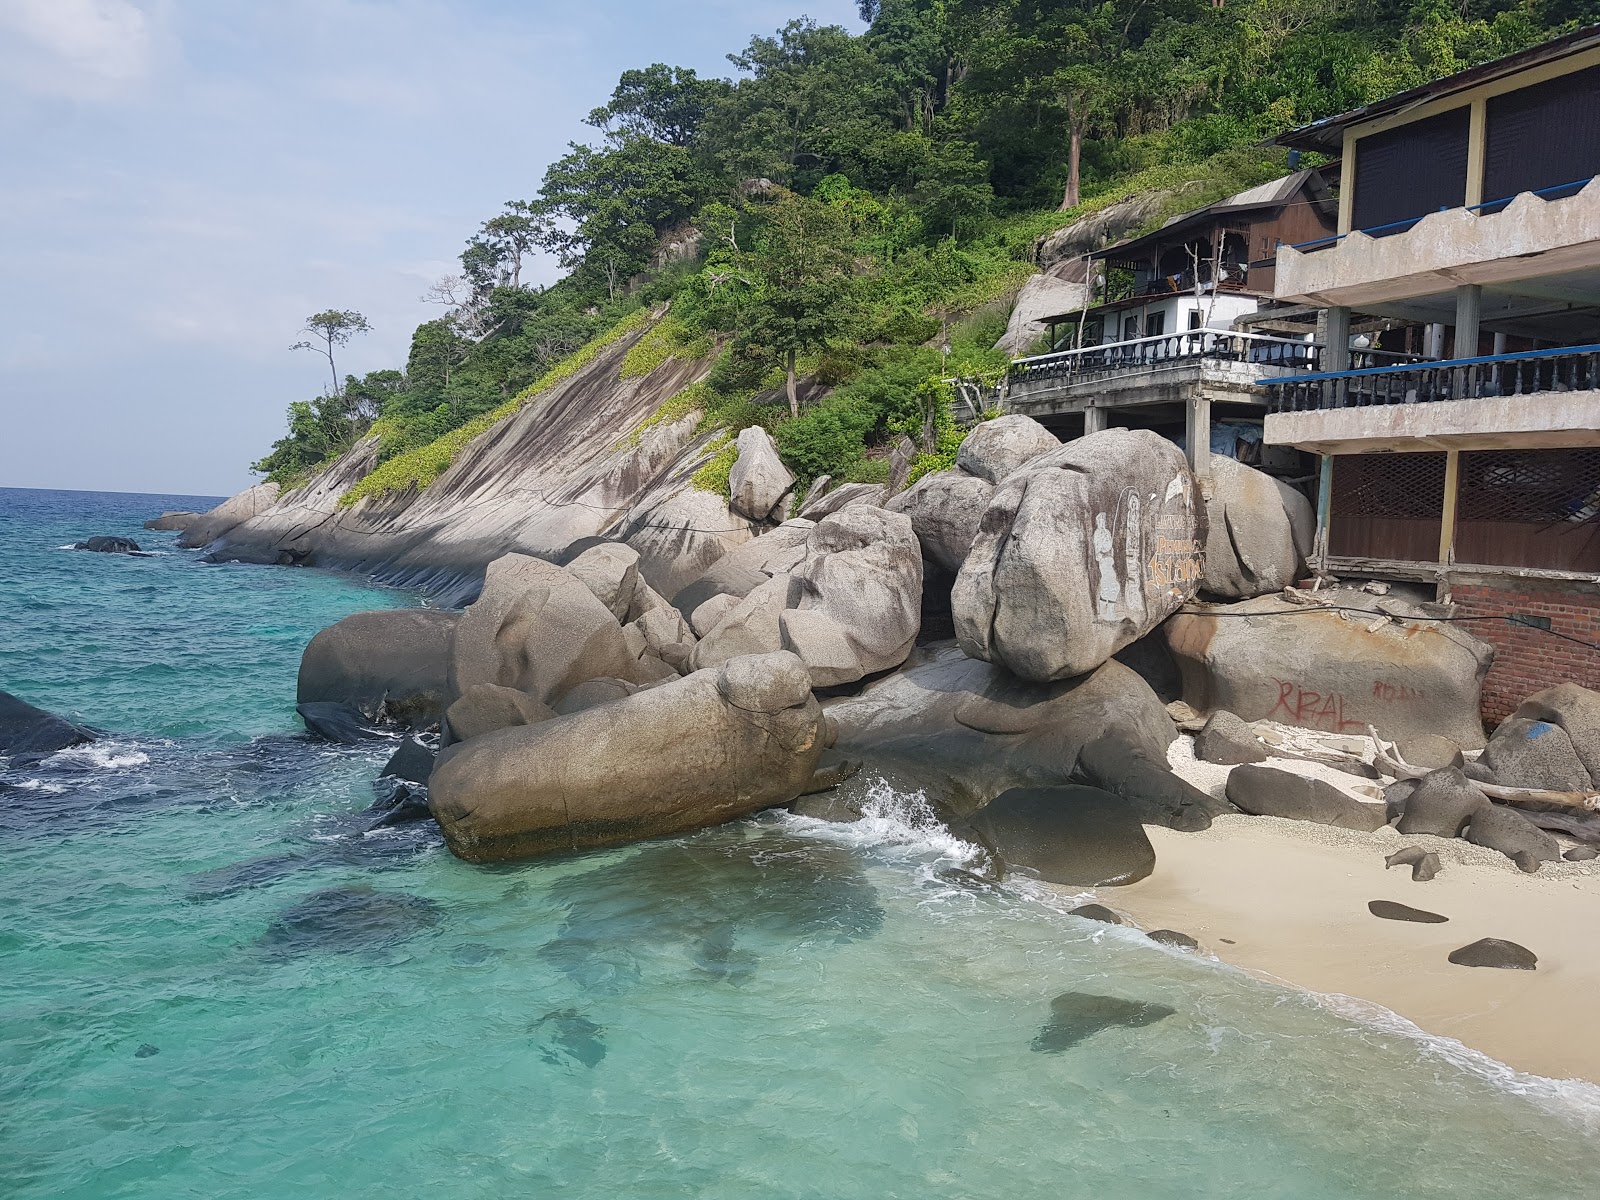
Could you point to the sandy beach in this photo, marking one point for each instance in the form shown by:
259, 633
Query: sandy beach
1288, 900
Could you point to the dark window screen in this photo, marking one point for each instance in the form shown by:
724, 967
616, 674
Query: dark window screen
1543, 136
1411, 171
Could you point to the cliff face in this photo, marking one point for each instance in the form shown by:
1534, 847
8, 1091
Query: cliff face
565, 468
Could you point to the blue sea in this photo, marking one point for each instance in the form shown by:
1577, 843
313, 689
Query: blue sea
215, 983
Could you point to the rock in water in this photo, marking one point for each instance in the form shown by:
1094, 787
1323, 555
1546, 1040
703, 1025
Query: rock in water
391, 665
1388, 910
174, 521
412, 763
1260, 532
995, 449
945, 508
708, 748
340, 723
25, 729
235, 510
109, 545
1075, 1016
1493, 952
1228, 741
349, 919
566, 1035
1080, 836
1310, 666
1079, 554
1174, 938
1097, 912
758, 482
1271, 792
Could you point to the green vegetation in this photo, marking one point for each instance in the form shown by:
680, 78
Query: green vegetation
857, 209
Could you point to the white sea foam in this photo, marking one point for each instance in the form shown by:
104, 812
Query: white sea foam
107, 756
39, 785
895, 821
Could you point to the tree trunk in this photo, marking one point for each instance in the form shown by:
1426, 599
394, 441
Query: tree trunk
333, 370
789, 384
1074, 152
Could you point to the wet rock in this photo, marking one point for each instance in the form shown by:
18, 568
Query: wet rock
1441, 804
1581, 854
758, 482
945, 509
1508, 831
711, 747
1535, 754
992, 450
26, 730
240, 877
340, 723
1074, 835
1576, 710
1271, 792
1318, 670
147, 1051
412, 762
1076, 1016
1081, 553
1260, 531
485, 707
1097, 912
828, 806
392, 665
1227, 740
109, 545
1494, 952
1172, 937
1388, 910
349, 920
170, 522
566, 1035
1431, 752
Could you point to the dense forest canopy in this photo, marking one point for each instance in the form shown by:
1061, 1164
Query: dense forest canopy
848, 206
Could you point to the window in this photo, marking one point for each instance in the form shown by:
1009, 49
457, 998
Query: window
1194, 318
1543, 136
1130, 327
1155, 324
1405, 173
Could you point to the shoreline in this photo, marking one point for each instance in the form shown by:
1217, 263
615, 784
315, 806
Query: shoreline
1286, 901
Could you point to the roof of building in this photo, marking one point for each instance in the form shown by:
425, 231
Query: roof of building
1327, 135
1273, 194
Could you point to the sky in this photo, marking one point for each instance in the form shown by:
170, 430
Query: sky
183, 181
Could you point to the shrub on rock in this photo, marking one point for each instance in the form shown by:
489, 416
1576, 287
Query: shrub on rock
1081, 553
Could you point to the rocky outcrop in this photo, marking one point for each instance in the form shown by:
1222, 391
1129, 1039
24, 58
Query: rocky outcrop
708, 748
1260, 531
1077, 836
102, 544
486, 707
1319, 668
26, 730
965, 731
392, 665
1043, 295
232, 512
1081, 553
759, 482
994, 449
174, 522
945, 508
747, 567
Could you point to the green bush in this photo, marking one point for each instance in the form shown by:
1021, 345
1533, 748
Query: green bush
713, 476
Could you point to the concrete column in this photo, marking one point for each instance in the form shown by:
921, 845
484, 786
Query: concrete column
1433, 341
1336, 340
1499, 343
1094, 420
1447, 522
1197, 435
1319, 552
1469, 303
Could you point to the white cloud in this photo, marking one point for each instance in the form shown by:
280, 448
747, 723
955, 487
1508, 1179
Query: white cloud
91, 49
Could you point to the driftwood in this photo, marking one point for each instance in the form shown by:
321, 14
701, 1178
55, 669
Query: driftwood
1581, 826
1389, 762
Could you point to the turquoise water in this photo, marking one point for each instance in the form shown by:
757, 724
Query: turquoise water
212, 984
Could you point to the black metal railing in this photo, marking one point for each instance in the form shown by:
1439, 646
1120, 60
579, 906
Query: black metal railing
1168, 349
1562, 369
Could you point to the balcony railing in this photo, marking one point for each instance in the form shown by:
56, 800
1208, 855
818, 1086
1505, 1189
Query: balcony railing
1563, 369
1167, 349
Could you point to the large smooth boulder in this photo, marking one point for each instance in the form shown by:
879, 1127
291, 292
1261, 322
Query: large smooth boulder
172, 521
712, 747
1260, 531
1269, 659
611, 571
392, 665
485, 707
1078, 836
680, 537
994, 449
965, 731
1442, 803
751, 626
1534, 754
537, 628
1508, 831
1080, 553
235, 510
747, 567
1271, 792
1577, 711
25, 729
946, 509
1046, 294
758, 482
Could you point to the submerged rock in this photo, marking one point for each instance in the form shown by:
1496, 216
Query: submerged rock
1076, 1016
349, 920
25, 729
1079, 836
566, 1035
109, 545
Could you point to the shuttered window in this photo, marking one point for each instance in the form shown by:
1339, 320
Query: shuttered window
1543, 136
1411, 171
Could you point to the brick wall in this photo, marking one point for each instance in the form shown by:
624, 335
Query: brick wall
1528, 660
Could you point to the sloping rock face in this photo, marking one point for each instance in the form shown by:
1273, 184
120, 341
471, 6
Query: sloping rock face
25, 729
174, 521
1260, 531
232, 512
1081, 553
1269, 659
708, 748
967, 730
758, 482
392, 665
569, 466
846, 494
1046, 294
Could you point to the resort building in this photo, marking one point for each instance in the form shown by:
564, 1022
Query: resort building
1469, 233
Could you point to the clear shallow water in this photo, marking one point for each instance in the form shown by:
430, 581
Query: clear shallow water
213, 985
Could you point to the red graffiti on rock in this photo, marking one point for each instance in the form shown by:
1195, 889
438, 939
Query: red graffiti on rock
1299, 705
1395, 691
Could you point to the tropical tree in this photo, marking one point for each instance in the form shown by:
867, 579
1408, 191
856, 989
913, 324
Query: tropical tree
332, 329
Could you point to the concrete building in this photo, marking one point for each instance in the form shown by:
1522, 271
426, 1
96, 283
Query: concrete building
1468, 231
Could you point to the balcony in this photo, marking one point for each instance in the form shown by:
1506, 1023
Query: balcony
1554, 232
1544, 398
